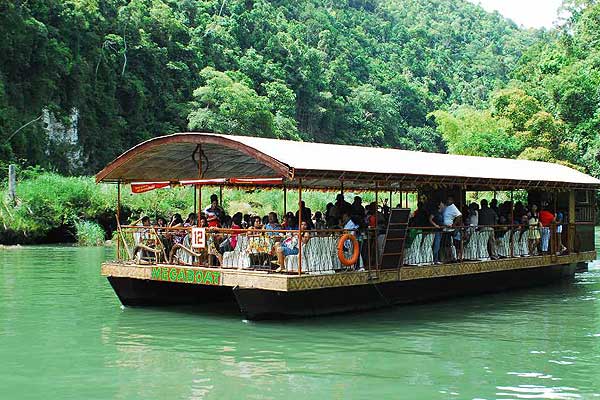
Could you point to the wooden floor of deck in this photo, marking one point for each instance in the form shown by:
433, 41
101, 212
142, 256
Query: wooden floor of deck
285, 282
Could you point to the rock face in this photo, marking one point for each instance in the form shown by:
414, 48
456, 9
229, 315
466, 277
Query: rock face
63, 140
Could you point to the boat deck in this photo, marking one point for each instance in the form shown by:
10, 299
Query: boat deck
289, 283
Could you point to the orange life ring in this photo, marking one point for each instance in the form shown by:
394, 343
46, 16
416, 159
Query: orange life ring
340, 249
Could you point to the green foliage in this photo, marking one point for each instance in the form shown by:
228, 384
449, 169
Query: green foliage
364, 72
89, 233
476, 133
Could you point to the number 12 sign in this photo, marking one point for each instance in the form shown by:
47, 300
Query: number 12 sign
198, 238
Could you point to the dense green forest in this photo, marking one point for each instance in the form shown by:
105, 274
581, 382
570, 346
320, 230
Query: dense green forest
83, 80
348, 71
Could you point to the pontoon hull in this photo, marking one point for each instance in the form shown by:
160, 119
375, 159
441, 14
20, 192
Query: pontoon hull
258, 304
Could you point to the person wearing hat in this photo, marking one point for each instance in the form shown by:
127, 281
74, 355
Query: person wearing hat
214, 212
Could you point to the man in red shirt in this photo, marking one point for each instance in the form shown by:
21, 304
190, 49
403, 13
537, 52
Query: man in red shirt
546, 219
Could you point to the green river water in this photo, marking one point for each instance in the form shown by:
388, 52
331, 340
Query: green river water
63, 335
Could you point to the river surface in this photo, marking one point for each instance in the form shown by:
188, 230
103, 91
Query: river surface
63, 335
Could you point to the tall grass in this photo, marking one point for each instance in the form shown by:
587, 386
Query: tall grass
89, 233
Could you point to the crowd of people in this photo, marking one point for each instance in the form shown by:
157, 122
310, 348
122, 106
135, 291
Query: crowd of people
450, 226
446, 220
337, 215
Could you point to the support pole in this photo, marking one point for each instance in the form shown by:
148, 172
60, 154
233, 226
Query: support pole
118, 216
511, 222
377, 226
571, 245
284, 203
300, 232
199, 187
195, 200
12, 184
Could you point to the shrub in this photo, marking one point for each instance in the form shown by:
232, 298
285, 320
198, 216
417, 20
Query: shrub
89, 233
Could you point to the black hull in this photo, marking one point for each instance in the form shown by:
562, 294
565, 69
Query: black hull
263, 304
140, 292
258, 304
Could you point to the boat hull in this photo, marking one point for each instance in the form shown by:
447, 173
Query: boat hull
144, 292
259, 304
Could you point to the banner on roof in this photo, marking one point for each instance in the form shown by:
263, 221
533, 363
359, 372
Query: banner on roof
143, 187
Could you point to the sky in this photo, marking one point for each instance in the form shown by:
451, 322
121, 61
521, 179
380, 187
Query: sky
529, 13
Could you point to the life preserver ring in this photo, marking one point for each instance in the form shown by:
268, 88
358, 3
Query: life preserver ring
340, 249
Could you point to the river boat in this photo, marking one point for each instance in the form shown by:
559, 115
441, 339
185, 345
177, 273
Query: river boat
341, 270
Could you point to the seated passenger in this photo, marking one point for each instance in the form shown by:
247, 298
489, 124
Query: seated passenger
273, 224
176, 222
202, 222
191, 220
289, 246
257, 222
290, 223
230, 243
319, 223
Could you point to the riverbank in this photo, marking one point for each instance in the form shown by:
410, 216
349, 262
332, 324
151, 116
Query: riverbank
51, 208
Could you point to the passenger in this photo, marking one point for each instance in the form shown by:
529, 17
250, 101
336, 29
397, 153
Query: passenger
487, 219
421, 216
246, 221
473, 215
319, 223
339, 208
175, 234
265, 220
348, 223
161, 223
385, 209
230, 243
225, 221
289, 246
191, 220
450, 212
327, 216
560, 217
457, 236
273, 224
519, 214
451, 235
202, 222
290, 223
436, 220
143, 235
214, 213
306, 215
534, 230
494, 206
257, 222
546, 220
358, 211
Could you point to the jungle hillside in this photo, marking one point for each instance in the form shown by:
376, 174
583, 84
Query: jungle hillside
81, 81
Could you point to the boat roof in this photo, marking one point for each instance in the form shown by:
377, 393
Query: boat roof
176, 158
